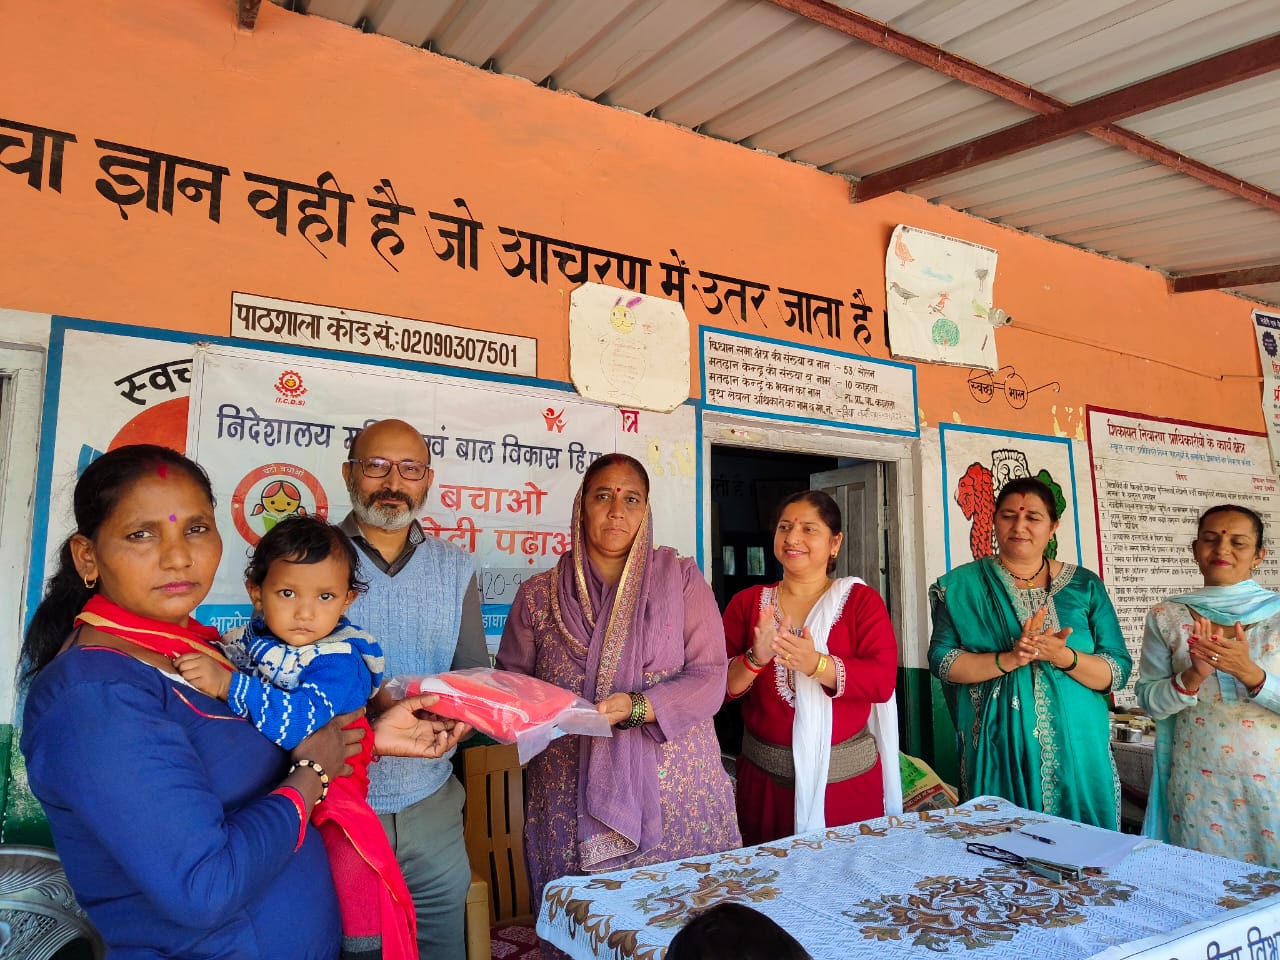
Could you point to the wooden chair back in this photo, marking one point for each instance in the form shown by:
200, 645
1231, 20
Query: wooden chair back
493, 827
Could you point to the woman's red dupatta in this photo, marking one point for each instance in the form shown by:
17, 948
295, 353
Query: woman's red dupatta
166, 639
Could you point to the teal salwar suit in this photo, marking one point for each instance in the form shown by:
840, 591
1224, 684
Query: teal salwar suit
1035, 735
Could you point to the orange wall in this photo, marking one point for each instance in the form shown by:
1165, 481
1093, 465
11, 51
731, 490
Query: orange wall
301, 95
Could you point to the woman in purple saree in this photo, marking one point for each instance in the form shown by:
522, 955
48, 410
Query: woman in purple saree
637, 631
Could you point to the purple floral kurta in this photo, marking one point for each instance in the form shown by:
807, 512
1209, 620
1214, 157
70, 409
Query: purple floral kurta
684, 676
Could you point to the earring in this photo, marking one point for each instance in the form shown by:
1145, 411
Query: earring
89, 584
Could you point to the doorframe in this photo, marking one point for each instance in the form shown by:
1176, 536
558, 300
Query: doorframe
22, 367
902, 483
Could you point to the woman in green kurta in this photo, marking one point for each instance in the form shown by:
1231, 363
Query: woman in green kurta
1027, 649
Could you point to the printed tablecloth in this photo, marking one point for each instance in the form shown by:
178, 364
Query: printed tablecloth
905, 887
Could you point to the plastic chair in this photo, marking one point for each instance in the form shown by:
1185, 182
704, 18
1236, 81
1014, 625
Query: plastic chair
38, 910
38, 907
493, 828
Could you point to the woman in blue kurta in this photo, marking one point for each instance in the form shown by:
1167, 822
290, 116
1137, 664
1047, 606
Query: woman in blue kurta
1027, 648
181, 828
184, 851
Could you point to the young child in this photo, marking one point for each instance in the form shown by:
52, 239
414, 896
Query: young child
300, 663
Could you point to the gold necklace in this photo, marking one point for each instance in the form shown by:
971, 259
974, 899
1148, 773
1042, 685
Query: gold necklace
1030, 581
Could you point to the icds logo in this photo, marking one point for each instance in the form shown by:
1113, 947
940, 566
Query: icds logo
271, 494
290, 389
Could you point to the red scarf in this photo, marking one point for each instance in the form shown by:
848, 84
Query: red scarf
166, 639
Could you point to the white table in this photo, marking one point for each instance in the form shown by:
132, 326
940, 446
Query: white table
901, 888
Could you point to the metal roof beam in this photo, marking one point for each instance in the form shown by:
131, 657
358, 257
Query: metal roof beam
1233, 66
861, 27
877, 34
1247, 277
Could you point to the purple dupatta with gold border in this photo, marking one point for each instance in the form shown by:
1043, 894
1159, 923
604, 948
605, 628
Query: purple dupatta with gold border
619, 809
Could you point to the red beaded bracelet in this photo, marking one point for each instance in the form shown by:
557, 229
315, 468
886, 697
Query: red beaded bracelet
747, 662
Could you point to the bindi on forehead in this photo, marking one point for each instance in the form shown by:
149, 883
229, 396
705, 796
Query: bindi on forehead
173, 518
1227, 532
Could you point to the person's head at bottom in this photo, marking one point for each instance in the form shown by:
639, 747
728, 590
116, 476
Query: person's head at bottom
734, 931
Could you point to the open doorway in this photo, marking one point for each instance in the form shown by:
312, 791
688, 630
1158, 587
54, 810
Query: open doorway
746, 487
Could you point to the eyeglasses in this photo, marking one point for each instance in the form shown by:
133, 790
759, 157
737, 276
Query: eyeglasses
377, 467
1050, 871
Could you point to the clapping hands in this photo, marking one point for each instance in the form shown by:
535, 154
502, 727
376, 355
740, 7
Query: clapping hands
794, 647
1035, 644
1211, 650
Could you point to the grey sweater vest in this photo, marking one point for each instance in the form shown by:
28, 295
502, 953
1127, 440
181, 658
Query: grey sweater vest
416, 616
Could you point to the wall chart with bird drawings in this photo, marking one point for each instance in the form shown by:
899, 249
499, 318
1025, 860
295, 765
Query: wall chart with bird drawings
938, 291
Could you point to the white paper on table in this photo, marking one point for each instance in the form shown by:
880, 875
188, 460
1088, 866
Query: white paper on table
1074, 844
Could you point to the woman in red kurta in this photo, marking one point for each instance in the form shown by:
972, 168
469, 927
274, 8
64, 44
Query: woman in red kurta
808, 759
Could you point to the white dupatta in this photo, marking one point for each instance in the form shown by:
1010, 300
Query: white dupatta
811, 728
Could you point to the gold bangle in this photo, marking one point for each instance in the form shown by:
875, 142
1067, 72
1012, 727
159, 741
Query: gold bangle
821, 668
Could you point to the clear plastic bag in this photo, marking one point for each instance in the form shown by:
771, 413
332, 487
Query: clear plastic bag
509, 707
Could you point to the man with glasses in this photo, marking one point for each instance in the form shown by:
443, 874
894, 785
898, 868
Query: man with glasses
423, 606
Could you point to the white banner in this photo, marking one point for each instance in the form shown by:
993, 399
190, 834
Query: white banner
1152, 480
274, 430
628, 349
1245, 931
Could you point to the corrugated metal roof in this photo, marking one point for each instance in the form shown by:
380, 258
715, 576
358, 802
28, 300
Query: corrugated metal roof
755, 73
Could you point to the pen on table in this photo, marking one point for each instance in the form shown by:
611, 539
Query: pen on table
1036, 836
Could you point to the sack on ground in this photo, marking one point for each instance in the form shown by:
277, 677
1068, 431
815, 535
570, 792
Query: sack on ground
922, 789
